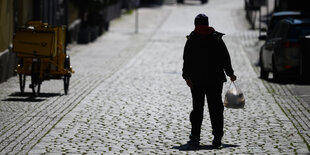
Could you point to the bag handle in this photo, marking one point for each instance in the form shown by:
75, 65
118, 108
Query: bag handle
235, 85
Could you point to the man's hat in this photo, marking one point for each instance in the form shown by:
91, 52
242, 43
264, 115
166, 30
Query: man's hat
201, 19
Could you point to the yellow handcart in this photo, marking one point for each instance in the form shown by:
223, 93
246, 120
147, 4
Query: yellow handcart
41, 50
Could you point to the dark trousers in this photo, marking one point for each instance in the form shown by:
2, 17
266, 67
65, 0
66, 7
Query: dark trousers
213, 92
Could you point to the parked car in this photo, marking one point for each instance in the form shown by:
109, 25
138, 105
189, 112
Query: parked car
277, 16
202, 1
281, 53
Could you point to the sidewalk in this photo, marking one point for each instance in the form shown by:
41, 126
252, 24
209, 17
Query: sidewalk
292, 97
128, 96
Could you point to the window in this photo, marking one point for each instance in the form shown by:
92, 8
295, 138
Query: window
282, 30
298, 31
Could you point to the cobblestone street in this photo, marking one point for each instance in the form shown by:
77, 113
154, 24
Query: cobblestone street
128, 96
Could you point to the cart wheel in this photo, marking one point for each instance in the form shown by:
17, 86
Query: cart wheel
66, 77
35, 78
66, 84
36, 89
22, 82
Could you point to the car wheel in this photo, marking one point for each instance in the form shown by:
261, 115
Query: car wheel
275, 72
204, 1
263, 73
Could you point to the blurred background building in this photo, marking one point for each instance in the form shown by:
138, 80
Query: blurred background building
86, 19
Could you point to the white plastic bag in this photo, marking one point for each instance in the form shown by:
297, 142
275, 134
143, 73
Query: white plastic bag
234, 97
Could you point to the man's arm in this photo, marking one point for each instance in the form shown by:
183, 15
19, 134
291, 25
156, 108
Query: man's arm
187, 64
227, 61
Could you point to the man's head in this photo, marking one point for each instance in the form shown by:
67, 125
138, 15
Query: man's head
201, 19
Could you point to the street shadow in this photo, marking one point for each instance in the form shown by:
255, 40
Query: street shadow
29, 97
150, 5
192, 3
28, 94
203, 147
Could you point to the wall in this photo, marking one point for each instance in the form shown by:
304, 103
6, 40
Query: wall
6, 22
24, 11
7, 58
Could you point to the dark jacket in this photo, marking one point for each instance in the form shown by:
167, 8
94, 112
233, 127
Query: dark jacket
206, 58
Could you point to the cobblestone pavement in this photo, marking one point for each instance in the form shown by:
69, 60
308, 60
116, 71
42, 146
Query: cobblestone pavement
25, 120
288, 95
131, 99
294, 106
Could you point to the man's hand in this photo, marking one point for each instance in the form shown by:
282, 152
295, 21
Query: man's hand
233, 78
189, 83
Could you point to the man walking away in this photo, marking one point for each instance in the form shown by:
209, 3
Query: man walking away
205, 60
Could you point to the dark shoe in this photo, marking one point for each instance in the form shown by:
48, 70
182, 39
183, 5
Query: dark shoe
190, 145
216, 143
194, 138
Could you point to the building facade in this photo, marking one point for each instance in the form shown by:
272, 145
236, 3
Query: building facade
85, 21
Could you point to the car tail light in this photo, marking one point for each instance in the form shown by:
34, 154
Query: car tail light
287, 66
289, 44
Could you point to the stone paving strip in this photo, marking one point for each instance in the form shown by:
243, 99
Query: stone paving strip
143, 108
26, 120
294, 107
